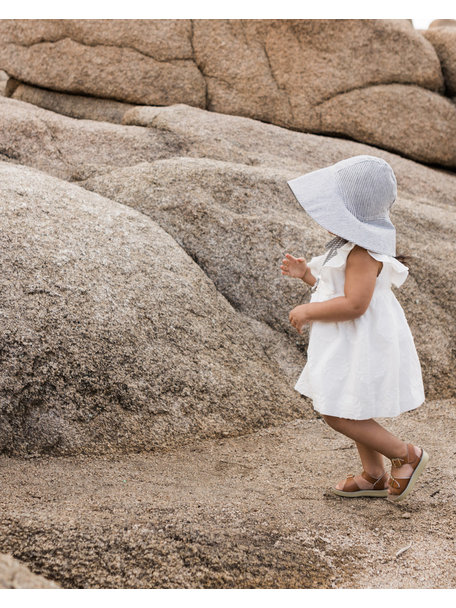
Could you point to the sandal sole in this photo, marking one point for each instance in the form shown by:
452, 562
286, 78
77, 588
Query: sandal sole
413, 479
371, 493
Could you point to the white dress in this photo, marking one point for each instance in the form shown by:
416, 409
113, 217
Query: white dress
366, 367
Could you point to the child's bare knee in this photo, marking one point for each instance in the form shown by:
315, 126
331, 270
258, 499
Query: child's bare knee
333, 421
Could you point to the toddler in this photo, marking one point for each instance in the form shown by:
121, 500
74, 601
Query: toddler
361, 357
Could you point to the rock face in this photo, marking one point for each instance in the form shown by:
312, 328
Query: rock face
3, 81
323, 76
14, 575
376, 115
112, 338
443, 39
442, 23
139, 61
76, 106
215, 186
75, 149
298, 64
230, 218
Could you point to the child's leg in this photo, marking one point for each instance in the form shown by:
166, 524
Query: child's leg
371, 434
373, 462
376, 438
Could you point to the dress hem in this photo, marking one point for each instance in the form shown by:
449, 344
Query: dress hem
365, 417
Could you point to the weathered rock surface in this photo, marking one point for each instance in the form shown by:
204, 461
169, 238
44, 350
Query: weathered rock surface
284, 72
230, 218
75, 149
3, 81
251, 142
112, 338
443, 23
298, 64
139, 61
443, 39
241, 512
76, 106
249, 218
375, 115
14, 575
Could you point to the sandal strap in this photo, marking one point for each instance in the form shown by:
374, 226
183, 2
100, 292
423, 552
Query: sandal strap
409, 459
377, 482
399, 484
350, 484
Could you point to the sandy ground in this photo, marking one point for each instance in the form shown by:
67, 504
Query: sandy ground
238, 512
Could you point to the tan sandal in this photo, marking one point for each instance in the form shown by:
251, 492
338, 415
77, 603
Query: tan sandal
351, 488
400, 487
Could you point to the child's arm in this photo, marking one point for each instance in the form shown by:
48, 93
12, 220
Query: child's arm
297, 267
360, 277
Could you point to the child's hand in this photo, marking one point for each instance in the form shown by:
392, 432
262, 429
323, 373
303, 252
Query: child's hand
294, 267
299, 316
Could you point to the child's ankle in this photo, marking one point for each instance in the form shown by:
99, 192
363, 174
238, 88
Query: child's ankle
401, 458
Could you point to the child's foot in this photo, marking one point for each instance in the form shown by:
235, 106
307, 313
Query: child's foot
405, 470
363, 484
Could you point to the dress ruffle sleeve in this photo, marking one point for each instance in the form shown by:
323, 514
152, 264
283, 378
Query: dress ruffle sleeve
398, 272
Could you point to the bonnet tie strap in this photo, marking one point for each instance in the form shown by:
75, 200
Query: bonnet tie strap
332, 247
